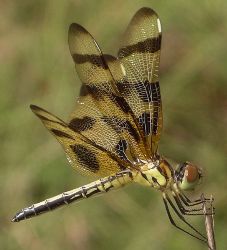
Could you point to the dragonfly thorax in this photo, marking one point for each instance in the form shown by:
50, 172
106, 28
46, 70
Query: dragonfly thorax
158, 174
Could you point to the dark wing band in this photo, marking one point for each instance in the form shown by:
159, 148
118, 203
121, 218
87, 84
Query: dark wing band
139, 57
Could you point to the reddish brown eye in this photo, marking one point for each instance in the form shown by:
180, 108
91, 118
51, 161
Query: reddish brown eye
191, 173
188, 176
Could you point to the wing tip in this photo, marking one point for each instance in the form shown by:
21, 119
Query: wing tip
75, 28
35, 109
146, 11
75, 33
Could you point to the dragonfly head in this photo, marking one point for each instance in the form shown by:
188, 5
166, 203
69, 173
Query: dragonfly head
188, 176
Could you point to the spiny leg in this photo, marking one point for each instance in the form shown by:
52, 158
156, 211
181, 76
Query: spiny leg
181, 217
185, 211
167, 200
189, 202
201, 202
175, 225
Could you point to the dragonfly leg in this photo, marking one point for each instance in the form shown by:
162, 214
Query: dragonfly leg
188, 211
182, 197
167, 201
189, 202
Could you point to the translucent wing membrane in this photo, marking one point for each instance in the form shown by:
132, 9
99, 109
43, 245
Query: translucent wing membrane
81, 153
101, 113
117, 120
139, 57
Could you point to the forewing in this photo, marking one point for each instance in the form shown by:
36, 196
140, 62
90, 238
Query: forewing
102, 115
139, 58
81, 153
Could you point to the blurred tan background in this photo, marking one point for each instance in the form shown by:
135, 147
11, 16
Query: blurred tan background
36, 68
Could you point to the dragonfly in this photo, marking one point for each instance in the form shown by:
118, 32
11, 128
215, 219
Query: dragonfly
114, 130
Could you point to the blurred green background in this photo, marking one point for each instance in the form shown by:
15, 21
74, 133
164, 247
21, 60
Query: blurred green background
36, 67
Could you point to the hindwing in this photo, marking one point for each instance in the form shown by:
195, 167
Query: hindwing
139, 58
117, 121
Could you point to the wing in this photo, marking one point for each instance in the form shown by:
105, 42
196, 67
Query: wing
81, 153
117, 120
101, 114
139, 59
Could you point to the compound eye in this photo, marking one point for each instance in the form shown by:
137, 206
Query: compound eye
191, 173
188, 176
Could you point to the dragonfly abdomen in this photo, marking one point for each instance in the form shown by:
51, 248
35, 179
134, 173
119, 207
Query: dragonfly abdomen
93, 189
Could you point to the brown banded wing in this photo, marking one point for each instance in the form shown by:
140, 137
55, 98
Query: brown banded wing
106, 130
101, 114
82, 154
139, 56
